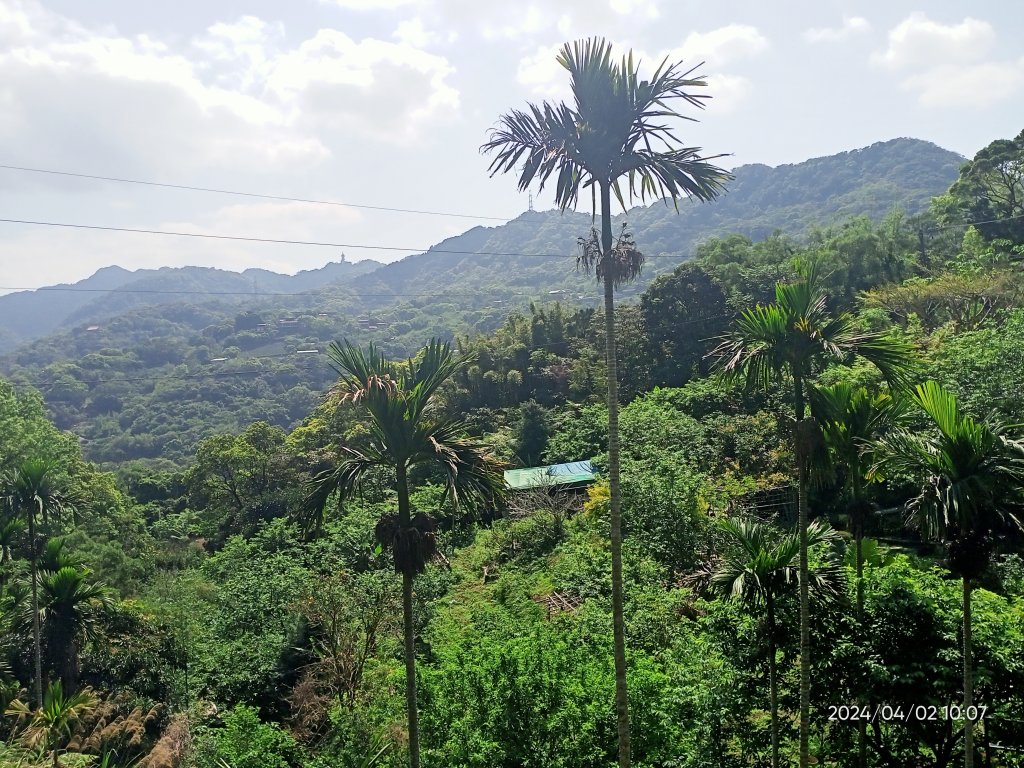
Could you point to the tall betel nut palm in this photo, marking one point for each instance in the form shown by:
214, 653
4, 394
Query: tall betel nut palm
795, 337
32, 495
615, 129
852, 420
406, 432
972, 489
758, 568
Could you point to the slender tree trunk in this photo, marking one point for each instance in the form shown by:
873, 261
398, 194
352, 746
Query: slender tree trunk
968, 679
618, 622
408, 627
805, 612
773, 686
36, 631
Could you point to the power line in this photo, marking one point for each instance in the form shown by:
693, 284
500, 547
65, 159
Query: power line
272, 240
250, 194
975, 223
316, 243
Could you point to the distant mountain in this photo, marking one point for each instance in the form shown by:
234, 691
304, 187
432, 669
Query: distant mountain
145, 364
112, 291
904, 173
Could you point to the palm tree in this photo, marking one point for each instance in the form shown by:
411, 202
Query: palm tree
796, 336
972, 487
761, 565
71, 607
406, 432
614, 129
55, 721
32, 495
852, 419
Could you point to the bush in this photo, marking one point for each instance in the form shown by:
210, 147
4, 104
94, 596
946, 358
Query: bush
246, 742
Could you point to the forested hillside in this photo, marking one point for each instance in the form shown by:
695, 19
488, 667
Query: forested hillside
168, 357
262, 599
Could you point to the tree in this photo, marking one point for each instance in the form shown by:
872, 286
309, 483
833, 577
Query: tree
531, 433
406, 433
681, 311
972, 488
32, 495
762, 564
852, 419
71, 607
55, 720
614, 129
796, 336
989, 192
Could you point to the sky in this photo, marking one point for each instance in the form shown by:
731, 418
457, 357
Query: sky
386, 103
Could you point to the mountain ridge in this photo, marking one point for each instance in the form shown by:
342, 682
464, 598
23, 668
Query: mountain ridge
148, 375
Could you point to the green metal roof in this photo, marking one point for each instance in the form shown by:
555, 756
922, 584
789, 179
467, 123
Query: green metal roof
573, 473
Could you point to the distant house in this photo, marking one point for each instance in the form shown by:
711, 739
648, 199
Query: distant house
562, 477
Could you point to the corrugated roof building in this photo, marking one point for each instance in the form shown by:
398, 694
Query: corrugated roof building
575, 474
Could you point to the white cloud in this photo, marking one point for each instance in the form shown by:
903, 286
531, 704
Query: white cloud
852, 25
917, 41
379, 87
971, 85
519, 23
634, 8
949, 65
723, 45
411, 32
728, 93
543, 75
233, 96
369, 5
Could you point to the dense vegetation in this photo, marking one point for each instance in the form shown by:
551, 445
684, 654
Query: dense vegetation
236, 610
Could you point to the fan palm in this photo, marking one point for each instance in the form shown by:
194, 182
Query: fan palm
972, 487
796, 336
615, 129
406, 432
32, 494
55, 721
760, 566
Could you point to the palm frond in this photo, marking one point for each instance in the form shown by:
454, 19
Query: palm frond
971, 471
343, 478
763, 560
473, 476
436, 364
615, 128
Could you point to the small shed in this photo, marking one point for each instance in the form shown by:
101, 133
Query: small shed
563, 477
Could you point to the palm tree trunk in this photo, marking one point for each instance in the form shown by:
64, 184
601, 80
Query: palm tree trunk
773, 686
968, 679
805, 612
408, 627
36, 631
618, 622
